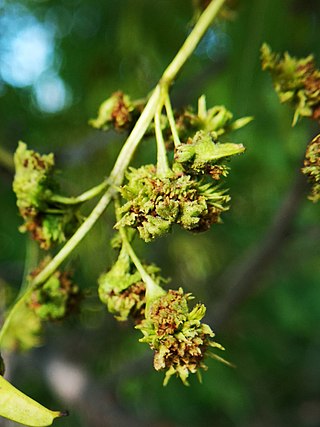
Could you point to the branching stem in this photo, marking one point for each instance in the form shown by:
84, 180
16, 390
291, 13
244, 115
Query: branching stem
125, 155
84, 197
172, 123
162, 160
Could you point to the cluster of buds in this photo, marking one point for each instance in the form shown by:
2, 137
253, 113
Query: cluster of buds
155, 203
57, 298
123, 290
312, 167
296, 81
48, 221
217, 120
177, 335
117, 112
203, 154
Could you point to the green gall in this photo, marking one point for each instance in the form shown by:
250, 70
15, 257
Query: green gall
312, 168
217, 120
154, 204
123, 290
296, 81
57, 298
202, 154
47, 221
33, 181
176, 334
116, 112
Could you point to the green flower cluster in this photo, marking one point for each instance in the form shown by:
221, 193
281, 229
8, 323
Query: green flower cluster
216, 120
312, 167
296, 81
155, 203
56, 299
35, 187
203, 155
123, 290
117, 112
180, 340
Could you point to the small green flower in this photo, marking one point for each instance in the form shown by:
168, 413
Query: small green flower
203, 154
34, 185
180, 340
56, 299
216, 120
312, 168
117, 112
123, 290
33, 182
155, 203
296, 81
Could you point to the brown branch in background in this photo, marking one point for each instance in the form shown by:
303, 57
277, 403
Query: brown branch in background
244, 275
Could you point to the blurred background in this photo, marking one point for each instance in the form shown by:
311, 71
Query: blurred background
258, 273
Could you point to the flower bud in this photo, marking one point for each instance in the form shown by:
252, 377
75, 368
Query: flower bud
296, 81
155, 203
56, 298
180, 340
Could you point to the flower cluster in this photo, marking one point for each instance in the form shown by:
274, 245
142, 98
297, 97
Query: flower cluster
56, 299
118, 112
155, 203
35, 187
180, 340
202, 154
296, 81
312, 167
217, 120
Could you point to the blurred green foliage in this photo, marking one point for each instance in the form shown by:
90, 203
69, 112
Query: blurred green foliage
100, 47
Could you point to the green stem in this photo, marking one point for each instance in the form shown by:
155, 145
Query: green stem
192, 40
87, 195
125, 155
202, 108
162, 160
172, 123
82, 231
166, 80
153, 290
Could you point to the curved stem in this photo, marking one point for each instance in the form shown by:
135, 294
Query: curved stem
153, 290
172, 123
135, 137
162, 160
84, 228
87, 195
